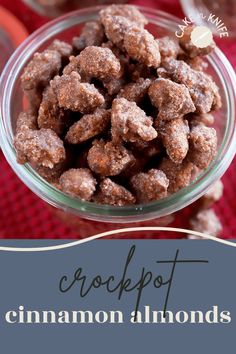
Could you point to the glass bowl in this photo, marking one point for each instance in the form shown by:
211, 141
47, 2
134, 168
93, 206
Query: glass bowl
12, 101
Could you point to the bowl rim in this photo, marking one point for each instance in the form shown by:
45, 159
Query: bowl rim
90, 210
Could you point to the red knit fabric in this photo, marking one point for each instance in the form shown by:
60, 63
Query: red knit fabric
24, 215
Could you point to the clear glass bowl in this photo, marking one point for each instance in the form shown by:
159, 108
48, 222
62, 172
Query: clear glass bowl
225, 10
12, 103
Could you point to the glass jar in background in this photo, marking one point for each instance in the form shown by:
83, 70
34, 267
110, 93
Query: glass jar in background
54, 8
224, 10
91, 218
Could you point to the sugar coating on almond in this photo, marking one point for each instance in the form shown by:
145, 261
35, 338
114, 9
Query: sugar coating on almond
179, 175
196, 63
174, 134
74, 95
150, 186
111, 193
63, 48
128, 11
50, 116
203, 145
99, 62
202, 88
41, 69
92, 34
42, 147
141, 46
135, 91
115, 29
53, 174
26, 120
108, 159
169, 47
89, 126
172, 100
130, 123
78, 183
114, 86
72, 66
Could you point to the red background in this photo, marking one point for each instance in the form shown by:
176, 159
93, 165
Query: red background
23, 215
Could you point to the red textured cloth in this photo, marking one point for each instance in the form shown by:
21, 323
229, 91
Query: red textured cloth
23, 215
